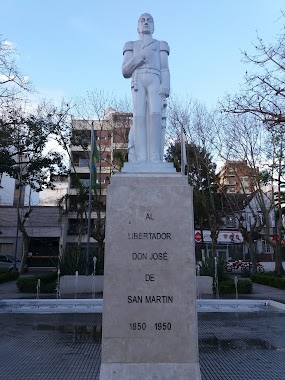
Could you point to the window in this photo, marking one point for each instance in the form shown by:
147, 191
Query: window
102, 138
7, 248
100, 181
83, 162
75, 228
230, 221
266, 248
244, 181
85, 182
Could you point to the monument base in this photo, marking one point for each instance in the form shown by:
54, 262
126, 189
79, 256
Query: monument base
149, 313
150, 371
148, 167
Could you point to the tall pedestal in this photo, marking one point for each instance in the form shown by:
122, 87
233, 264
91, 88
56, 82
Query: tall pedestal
149, 313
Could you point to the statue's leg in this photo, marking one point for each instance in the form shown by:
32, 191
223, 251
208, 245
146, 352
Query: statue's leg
163, 125
140, 138
155, 121
139, 123
155, 137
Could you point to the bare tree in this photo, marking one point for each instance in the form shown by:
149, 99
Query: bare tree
263, 95
263, 92
191, 118
12, 82
246, 140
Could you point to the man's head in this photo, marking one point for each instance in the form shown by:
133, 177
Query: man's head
145, 24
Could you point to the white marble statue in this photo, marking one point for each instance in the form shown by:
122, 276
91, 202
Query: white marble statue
146, 62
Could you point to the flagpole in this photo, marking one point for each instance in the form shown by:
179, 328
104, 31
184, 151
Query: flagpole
89, 200
183, 150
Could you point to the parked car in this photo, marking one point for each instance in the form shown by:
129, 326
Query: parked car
7, 264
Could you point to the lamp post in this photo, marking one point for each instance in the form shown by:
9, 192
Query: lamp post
89, 200
17, 228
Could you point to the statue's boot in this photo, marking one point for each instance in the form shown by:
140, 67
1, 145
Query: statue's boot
155, 135
140, 141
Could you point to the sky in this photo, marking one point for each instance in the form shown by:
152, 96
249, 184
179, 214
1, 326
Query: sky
70, 47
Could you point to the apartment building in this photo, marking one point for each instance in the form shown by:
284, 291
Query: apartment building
111, 136
238, 177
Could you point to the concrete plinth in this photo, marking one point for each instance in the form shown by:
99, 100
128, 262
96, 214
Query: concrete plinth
149, 312
83, 284
149, 371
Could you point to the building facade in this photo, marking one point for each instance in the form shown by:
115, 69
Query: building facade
241, 222
237, 177
44, 229
110, 137
42, 224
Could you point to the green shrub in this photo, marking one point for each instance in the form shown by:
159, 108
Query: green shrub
207, 268
228, 287
29, 284
270, 280
270, 274
245, 287
74, 259
8, 276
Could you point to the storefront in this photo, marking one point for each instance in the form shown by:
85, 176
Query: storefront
229, 245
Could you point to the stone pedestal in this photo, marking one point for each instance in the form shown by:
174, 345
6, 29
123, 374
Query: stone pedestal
149, 313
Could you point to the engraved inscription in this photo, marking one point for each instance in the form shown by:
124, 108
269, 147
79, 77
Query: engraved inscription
159, 326
150, 256
149, 235
159, 299
135, 299
150, 299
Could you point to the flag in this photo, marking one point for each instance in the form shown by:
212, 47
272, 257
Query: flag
95, 160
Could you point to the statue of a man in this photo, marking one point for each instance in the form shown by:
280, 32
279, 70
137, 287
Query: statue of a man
146, 62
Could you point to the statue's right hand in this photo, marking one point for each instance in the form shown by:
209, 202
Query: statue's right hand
139, 61
142, 58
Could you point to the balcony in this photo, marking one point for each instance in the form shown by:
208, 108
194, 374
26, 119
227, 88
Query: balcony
72, 191
94, 215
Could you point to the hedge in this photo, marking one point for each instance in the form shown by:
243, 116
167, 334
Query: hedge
29, 284
269, 279
8, 276
228, 287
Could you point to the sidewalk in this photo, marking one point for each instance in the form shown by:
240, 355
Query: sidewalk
266, 292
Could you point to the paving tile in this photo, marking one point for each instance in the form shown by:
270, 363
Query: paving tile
233, 346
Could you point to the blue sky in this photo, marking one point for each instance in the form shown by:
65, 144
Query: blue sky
69, 47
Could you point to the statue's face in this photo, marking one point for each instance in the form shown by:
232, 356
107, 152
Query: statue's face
145, 24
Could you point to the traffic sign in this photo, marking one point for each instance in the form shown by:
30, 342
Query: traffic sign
198, 237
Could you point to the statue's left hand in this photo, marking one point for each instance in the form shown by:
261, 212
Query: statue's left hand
164, 91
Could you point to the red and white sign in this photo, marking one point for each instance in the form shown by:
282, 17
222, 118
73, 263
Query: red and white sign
198, 237
223, 237
275, 238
